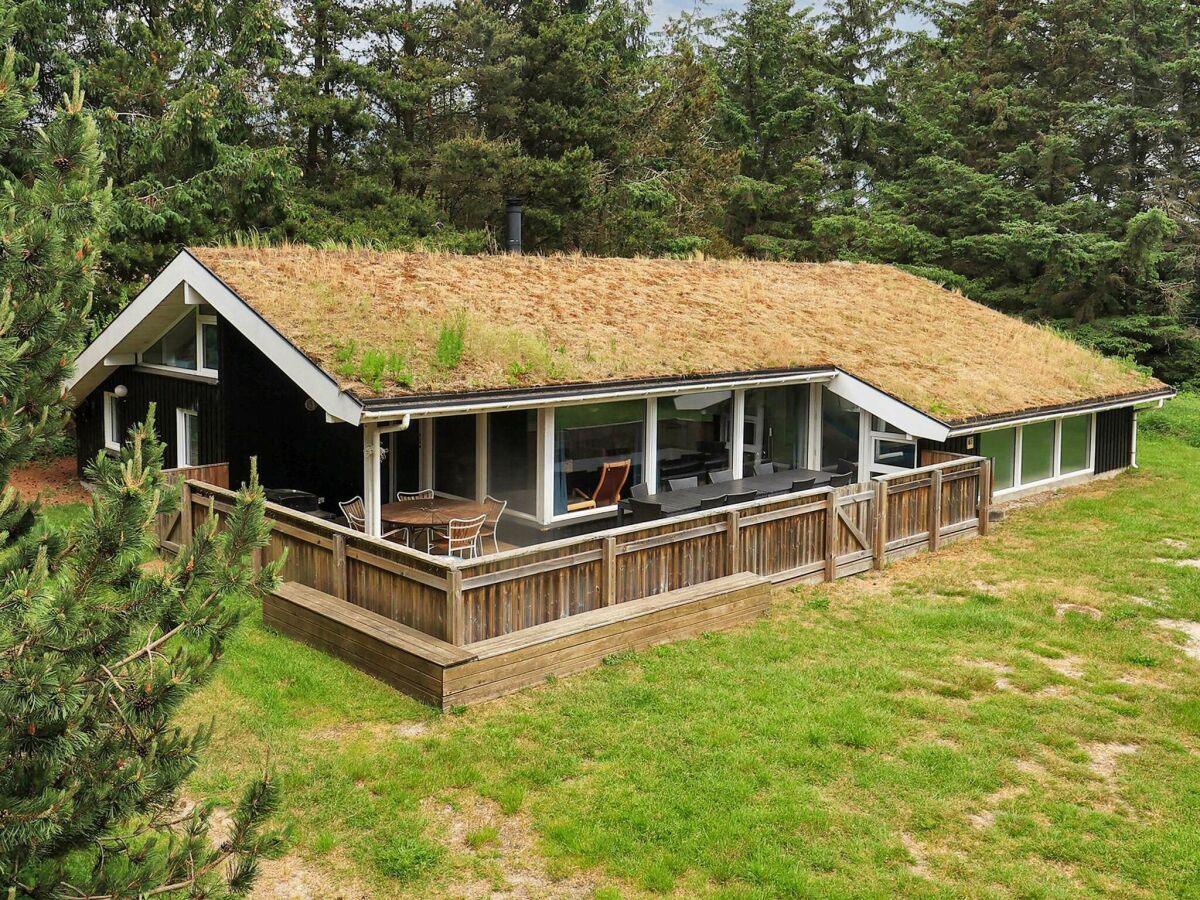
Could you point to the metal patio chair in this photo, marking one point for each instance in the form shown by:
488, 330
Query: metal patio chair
356, 518
493, 509
461, 538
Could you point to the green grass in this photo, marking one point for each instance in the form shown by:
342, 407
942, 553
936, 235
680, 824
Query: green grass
925, 733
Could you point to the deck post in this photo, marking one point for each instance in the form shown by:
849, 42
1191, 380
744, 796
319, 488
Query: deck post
608, 572
456, 620
879, 550
985, 496
339, 566
185, 514
935, 509
372, 501
831, 535
734, 535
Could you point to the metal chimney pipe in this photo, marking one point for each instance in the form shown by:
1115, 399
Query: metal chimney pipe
514, 213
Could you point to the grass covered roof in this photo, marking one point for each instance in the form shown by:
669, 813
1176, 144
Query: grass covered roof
393, 323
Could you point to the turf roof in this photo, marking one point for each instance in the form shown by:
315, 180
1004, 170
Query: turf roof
384, 324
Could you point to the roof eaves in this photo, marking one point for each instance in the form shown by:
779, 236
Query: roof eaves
1097, 404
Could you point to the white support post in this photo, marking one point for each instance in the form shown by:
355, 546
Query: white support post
372, 488
738, 442
866, 446
814, 426
545, 464
1133, 443
1018, 442
650, 453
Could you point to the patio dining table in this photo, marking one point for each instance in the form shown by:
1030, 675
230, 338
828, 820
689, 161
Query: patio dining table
688, 499
428, 513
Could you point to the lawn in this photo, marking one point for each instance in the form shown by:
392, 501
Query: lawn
1004, 718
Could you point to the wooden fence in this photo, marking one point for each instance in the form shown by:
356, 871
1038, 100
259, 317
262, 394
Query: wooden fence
816, 535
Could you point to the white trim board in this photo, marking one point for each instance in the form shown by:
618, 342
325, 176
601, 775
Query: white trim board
92, 365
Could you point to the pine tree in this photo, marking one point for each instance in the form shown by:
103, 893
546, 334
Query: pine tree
99, 644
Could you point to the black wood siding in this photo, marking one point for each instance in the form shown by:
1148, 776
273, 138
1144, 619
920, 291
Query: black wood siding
265, 417
169, 394
1114, 439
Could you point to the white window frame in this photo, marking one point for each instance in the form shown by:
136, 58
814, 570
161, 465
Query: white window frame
201, 370
201, 321
181, 436
892, 437
1020, 485
111, 420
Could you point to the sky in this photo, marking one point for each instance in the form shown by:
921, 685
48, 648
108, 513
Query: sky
662, 10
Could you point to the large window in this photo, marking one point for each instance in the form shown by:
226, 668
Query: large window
694, 435
1001, 447
776, 426
839, 432
588, 436
454, 456
1037, 452
512, 458
1074, 445
191, 344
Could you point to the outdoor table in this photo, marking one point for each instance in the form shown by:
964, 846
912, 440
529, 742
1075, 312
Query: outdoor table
674, 503
426, 514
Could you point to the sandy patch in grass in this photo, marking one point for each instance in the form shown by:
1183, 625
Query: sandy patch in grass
1067, 666
1183, 563
1061, 610
919, 862
375, 730
1105, 757
1191, 629
986, 818
292, 878
1000, 669
501, 852
1176, 544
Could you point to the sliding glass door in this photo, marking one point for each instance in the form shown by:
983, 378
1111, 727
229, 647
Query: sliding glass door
775, 428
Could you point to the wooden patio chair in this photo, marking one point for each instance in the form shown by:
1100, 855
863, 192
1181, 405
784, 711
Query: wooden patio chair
613, 476
681, 484
461, 538
493, 509
356, 517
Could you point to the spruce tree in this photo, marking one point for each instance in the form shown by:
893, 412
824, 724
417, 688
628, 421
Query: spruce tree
99, 642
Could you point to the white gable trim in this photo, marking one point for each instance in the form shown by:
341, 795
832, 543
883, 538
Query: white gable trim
888, 408
106, 350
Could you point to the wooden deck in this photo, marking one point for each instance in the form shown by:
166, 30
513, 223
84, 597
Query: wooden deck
592, 583
449, 676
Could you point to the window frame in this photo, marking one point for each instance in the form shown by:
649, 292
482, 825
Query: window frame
182, 415
201, 371
112, 420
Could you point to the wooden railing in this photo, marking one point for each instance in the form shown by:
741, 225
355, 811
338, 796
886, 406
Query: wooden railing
816, 535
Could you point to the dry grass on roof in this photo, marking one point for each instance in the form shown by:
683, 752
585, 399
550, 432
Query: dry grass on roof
375, 321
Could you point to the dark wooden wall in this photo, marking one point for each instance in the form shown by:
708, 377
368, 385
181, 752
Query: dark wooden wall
1114, 439
265, 417
169, 394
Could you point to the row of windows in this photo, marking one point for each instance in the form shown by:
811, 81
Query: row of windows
1026, 454
187, 431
